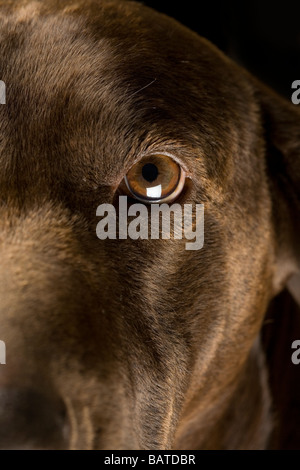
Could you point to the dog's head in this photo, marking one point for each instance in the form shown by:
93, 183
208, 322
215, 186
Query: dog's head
123, 343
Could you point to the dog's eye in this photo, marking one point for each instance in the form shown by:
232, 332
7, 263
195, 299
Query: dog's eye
156, 178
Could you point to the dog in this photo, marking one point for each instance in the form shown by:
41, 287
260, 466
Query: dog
140, 344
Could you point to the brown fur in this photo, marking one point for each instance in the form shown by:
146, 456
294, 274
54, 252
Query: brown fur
136, 344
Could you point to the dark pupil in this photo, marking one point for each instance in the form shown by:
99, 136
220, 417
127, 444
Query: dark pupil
150, 172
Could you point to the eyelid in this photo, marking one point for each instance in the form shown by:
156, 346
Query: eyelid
148, 153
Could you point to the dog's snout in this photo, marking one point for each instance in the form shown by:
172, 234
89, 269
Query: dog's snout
29, 419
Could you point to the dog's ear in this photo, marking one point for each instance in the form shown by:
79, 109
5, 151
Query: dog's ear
281, 123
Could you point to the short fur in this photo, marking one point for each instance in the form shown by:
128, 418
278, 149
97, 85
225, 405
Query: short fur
136, 344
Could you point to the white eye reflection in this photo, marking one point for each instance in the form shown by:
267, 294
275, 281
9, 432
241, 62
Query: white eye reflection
155, 192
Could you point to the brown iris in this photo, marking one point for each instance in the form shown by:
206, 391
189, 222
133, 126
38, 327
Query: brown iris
156, 178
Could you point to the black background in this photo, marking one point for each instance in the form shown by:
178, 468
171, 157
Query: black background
261, 35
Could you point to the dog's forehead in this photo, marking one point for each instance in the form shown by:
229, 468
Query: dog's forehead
95, 86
